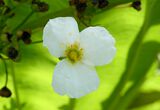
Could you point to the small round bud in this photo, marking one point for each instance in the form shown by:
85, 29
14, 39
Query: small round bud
27, 41
2, 3
9, 36
94, 2
43, 7
102, 3
40, 6
7, 10
82, 1
5, 92
73, 2
12, 53
25, 36
136, 5
35, 1
81, 7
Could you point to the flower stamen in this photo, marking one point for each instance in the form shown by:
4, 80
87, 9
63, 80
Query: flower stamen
74, 53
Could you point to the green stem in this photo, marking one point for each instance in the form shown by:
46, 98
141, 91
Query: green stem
134, 52
130, 94
22, 22
36, 42
111, 103
15, 86
69, 106
6, 71
72, 104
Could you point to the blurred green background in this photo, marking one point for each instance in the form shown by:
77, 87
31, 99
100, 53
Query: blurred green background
135, 70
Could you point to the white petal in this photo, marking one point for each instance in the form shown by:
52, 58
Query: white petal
74, 80
58, 33
98, 46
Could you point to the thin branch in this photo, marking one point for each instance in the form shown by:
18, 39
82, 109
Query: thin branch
36, 42
15, 87
23, 22
6, 71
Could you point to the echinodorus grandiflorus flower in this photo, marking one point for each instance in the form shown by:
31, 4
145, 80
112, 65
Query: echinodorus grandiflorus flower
75, 75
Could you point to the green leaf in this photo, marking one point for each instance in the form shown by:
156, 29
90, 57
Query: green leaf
152, 12
145, 59
132, 61
145, 98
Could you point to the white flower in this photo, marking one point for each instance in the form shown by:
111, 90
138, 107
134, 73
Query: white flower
75, 75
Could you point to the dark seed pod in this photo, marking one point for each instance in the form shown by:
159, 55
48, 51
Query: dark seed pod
27, 41
102, 3
76, 2
73, 2
7, 10
82, 1
40, 6
35, 1
94, 2
9, 36
5, 92
43, 7
12, 53
136, 5
1, 3
26, 37
81, 7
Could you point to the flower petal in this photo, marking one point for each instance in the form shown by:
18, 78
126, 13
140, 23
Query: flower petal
58, 33
74, 80
98, 46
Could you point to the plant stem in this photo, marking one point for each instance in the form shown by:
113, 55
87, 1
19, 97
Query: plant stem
6, 71
72, 104
15, 86
111, 103
36, 42
22, 22
130, 94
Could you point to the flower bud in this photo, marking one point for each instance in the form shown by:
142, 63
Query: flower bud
136, 5
40, 6
25, 36
5, 92
43, 7
1, 3
12, 53
102, 3
9, 36
8, 12
35, 1
81, 7
73, 2
94, 2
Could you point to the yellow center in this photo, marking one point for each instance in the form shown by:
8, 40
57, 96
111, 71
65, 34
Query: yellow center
74, 53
